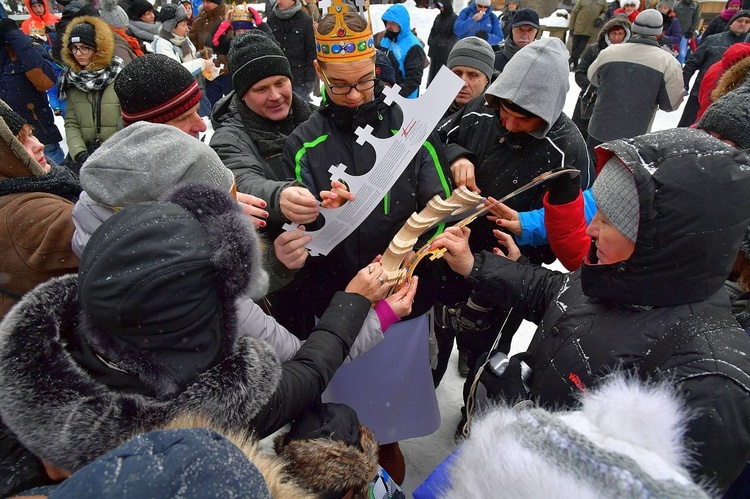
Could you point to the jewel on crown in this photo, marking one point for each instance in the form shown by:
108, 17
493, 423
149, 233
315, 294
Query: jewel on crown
241, 13
342, 43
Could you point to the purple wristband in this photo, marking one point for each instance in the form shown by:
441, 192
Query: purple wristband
386, 315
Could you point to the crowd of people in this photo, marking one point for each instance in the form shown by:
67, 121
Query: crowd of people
161, 313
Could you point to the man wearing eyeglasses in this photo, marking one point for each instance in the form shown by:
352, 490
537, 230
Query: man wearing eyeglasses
353, 97
478, 20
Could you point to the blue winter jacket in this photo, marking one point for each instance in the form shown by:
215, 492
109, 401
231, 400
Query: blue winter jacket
26, 73
466, 26
405, 53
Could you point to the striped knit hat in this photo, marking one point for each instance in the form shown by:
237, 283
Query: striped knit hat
155, 88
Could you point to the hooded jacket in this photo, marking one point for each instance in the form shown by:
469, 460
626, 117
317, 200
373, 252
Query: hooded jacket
80, 122
709, 52
67, 396
724, 76
26, 73
35, 220
38, 23
536, 80
442, 38
489, 23
405, 52
622, 114
606, 317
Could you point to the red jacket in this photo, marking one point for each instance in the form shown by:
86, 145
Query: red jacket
566, 231
732, 56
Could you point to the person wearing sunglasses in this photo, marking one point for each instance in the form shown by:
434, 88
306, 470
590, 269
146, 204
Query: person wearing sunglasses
478, 20
87, 84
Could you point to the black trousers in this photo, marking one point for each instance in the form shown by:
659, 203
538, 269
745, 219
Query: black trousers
579, 44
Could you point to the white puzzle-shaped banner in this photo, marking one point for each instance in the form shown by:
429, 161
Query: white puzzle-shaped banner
392, 155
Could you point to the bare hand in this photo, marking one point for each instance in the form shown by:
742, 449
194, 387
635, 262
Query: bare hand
298, 205
337, 196
253, 207
458, 255
505, 217
290, 248
369, 282
463, 174
478, 16
228, 16
505, 240
402, 300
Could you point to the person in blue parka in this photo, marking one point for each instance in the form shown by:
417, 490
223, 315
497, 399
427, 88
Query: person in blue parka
404, 50
478, 20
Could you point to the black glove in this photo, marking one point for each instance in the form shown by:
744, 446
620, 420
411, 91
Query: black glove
467, 316
481, 34
564, 189
508, 386
81, 157
689, 35
6, 26
598, 23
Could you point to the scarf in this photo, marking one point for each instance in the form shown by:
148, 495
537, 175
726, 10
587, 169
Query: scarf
89, 81
268, 135
288, 13
182, 42
131, 41
144, 31
727, 14
59, 181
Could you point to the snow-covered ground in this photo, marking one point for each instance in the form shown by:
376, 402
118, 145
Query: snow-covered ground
423, 454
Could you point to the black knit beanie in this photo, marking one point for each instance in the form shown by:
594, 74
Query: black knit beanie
728, 117
83, 33
138, 8
254, 56
155, 88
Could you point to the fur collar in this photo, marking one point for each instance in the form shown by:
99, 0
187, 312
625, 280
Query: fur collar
66, 416
17, 162
732, 78
105, 44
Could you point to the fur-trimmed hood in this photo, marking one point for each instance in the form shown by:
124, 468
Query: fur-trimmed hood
105, 44
65, 415
16, 162
325, 464
736, 61
615, 21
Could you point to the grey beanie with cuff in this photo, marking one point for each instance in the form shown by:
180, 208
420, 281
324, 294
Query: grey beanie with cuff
650, 22
474, 53
616, 196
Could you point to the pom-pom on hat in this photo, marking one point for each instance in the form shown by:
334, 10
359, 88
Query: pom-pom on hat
155, 88
113, 14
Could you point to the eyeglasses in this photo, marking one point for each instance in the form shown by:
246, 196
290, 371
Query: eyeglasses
81, 49
360, 86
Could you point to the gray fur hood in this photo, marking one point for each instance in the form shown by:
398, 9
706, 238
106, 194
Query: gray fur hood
65, 415
536, 78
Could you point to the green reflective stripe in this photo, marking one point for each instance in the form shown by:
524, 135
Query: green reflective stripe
301, 152
446, 186
386, 203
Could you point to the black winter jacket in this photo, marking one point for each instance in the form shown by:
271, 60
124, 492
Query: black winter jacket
297, 39
328, 138
504, 161
442, 38
709, 52
607, 317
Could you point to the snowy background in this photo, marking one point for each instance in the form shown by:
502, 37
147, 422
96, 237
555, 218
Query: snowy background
423, 454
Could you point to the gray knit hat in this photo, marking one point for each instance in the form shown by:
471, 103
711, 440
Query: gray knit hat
648, 23
474, 53
254, 56
170, 16
117, 176
113, 14
617, 197
728, 117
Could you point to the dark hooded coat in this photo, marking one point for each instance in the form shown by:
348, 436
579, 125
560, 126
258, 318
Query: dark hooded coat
607, 317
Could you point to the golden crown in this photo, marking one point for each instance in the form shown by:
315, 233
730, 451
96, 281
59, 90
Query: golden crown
241, 13
343, 44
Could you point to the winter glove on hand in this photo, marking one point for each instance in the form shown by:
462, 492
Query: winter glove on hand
564, 189
508, 386
481, 34
468, 316
6, 26
81, 157
598, 23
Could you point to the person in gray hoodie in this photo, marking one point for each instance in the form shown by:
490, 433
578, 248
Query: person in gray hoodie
497, 143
